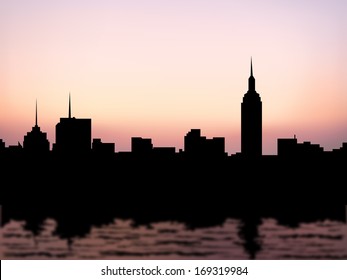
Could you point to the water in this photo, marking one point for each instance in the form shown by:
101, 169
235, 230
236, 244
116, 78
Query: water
119, 239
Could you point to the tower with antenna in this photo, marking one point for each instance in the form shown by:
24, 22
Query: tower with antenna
251, 121
35, 141
73, 135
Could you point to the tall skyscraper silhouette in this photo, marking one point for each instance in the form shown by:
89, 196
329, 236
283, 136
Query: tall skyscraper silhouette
251, 121
36, 141
73, 135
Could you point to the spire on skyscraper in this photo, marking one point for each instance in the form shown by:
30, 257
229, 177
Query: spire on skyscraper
36, 113
36, 141
69, 106
251, 68
251, 120
251, 80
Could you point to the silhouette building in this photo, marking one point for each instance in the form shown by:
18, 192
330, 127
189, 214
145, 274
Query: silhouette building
141, 146
290, 148
196, 145
2, 145
251, 121
36, 141
15, 149
102, 148
164, 152
72, 135
341, 151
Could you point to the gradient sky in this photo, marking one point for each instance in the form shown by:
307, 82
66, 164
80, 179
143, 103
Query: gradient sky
159, 68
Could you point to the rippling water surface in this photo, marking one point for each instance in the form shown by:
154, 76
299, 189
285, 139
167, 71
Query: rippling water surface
171, 240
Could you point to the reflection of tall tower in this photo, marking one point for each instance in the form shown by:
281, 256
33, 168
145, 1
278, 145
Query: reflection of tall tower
251, 121
36, 141
73, 135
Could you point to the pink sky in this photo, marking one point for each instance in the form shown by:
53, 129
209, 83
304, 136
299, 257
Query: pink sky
157, 69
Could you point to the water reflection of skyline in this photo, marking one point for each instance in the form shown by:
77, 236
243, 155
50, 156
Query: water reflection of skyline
119, 239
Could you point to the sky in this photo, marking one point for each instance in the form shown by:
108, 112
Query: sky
158, 68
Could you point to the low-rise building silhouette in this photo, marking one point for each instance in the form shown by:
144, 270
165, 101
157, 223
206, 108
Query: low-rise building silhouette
342, 151
14, 150
2, 145
196, 145
289, 147
141, 146
164, 152
103, 148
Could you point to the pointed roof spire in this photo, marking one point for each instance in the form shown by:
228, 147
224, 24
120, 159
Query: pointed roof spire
251, 67
251, 80
69, 105
36, 113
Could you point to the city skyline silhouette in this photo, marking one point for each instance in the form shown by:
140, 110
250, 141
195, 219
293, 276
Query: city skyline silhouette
160, 76
75, 135
216, 128
202, 160
199, 186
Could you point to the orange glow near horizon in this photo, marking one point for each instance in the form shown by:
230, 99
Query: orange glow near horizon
159, 69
